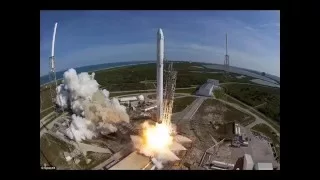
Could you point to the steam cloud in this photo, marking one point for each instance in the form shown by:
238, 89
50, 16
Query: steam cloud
93, 111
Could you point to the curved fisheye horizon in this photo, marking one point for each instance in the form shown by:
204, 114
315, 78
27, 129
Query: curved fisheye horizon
120, 93
96, 37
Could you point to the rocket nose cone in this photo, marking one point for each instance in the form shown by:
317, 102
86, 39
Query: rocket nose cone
160, 33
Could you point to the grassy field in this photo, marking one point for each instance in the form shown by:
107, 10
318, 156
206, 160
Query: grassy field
130, 78
256, 95
46, 101
45, 113
229, 113
53, 149
180, 104
128, 93
264, 129
212, 118
189, 91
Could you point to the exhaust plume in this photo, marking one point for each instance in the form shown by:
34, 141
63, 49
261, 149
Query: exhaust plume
93, 111
158, 142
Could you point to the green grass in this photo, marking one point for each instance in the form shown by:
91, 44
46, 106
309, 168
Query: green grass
212, 118
230, 115
129, 78
218, 93
180, 104
46, 100
53, 149
257, 113
189, 91
267, 131
128, 93
43, 114
256, 95
96, 159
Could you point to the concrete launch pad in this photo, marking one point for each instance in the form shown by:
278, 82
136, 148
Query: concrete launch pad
134, 161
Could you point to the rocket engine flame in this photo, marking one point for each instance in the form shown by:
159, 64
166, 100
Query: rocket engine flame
157, 141
157, 137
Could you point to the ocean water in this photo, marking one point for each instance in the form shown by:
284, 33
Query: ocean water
45, 79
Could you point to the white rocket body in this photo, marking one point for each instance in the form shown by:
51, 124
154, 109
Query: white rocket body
160, 56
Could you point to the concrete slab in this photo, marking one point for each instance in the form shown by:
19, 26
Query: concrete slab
134, 161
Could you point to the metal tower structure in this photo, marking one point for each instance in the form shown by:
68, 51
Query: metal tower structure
52, 72
170, 85
226, 58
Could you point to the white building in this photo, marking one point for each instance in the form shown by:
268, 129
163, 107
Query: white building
247, 162
263, 166
208, 88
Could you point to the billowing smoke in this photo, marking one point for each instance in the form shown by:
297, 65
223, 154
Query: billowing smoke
141, 98
93, 111
80, 129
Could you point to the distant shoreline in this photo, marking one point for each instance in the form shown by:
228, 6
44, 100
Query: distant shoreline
105, 69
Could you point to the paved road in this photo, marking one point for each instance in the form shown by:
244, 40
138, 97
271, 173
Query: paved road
258, 120
46, 109
260, 105
256, 112
115, 157
189, 111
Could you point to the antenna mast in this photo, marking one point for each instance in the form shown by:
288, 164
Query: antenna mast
226, 60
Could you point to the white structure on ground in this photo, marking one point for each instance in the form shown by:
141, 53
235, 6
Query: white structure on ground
141, 97
149, 108
247, 162
126, 99
208, 88
263, 166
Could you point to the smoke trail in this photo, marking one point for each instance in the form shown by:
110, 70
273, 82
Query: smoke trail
93, 111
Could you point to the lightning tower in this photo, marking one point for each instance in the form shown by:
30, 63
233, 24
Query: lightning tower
226, 59
52, 72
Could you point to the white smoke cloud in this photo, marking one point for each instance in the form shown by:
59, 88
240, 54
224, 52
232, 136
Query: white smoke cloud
93, 111
141, 97
80, 129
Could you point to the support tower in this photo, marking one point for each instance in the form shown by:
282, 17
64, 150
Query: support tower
226, 59
170, 85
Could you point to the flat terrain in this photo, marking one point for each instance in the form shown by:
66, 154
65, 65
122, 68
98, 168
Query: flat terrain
257, 95
180, 104
266, 83
142, 77
53, 149
266, 131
